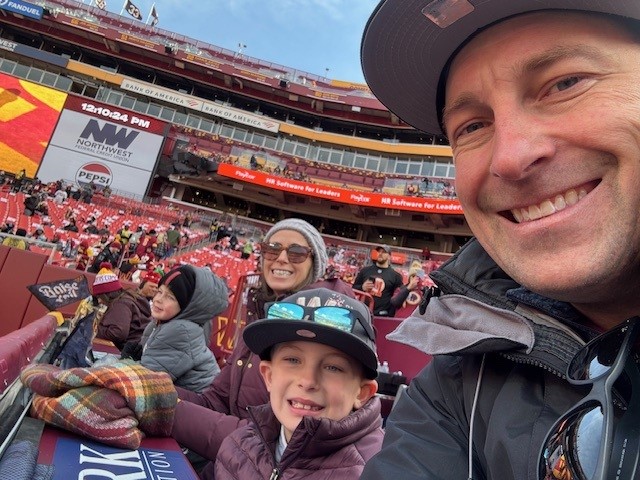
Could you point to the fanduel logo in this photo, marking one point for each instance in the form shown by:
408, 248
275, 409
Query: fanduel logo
109, 134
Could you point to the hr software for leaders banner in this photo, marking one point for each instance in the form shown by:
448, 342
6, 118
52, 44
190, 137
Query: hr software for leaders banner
104, 145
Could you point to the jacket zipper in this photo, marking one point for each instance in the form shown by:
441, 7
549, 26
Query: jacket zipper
536, 363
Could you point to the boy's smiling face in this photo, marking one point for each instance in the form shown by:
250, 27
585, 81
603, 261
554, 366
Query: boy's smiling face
308, 378
165, 306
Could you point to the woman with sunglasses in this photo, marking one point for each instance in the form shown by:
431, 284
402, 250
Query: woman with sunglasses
293, 257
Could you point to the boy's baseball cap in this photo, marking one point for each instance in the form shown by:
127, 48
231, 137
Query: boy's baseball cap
408, 44
262, 335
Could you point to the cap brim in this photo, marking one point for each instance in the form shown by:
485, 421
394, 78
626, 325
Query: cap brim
403, 53
262, 335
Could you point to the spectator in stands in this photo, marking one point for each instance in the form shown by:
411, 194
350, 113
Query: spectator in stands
384, 283
17, 242
18, 180
125, 234
247, 249
322, 393
174, 342
60, 196
71, 225
146, 241
106, 191
7, 227
127, 313
109, 254
539, 101
161, 246
30, 204
83, 255
149, 285
38, 234
293, 257
173, 239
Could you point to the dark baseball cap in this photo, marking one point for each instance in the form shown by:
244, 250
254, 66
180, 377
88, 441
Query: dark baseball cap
408, 44
353, 335
386, 248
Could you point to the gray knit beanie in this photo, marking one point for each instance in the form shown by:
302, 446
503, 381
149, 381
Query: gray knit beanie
312, 236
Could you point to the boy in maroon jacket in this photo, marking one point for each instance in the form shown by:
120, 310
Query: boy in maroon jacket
319, 362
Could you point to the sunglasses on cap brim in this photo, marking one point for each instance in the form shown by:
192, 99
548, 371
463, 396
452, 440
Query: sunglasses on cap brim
599, 437
337, 317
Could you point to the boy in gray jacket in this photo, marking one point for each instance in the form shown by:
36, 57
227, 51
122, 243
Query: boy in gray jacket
175, 341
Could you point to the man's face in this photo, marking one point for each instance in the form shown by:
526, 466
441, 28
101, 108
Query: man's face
546, 138
383, 257
149, 289
312, 379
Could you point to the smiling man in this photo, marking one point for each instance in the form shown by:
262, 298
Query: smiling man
540, 101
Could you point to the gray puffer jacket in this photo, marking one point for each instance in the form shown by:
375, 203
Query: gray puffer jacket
179, 346
487, 333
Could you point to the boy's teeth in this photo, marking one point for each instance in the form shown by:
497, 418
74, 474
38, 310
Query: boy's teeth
549, 206
303, 406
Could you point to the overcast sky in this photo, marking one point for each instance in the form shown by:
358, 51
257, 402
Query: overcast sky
307, 35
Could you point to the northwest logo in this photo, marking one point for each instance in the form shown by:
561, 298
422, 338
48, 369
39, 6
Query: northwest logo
109, 134
98, 174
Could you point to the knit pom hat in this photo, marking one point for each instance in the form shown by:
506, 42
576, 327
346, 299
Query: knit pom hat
106, 281
312, 236
182, 283
152, 276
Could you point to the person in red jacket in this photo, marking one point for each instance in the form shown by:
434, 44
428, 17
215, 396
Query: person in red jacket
319, 362
293, 257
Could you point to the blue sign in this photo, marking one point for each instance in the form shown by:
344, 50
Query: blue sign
23, 8
82, 458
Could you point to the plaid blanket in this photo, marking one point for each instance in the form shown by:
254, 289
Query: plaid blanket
116, 404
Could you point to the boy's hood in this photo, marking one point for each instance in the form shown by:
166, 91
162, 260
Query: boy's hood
210, 298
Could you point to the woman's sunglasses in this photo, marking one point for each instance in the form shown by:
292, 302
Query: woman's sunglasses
599, 437
295, 253
340, 318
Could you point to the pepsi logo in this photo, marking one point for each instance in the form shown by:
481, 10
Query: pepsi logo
97, 173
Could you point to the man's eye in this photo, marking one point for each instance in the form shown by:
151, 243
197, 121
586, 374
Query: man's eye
472, 127
567, 83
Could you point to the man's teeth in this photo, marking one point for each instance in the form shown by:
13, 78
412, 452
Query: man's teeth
281, 273
549, 206
304, 406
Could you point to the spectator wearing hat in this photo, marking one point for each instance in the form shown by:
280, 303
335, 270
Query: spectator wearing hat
83, 256
149, 285
323, 420
187, 299
293, 257
109, 254
384, 283
127, 313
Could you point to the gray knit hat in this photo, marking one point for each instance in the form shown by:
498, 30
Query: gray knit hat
312, 236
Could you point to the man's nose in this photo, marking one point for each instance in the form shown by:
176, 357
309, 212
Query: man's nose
520, 143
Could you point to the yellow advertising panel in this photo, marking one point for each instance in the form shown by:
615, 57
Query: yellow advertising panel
28, 115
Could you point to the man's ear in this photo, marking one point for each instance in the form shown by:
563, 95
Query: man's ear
368, 389
265, 371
